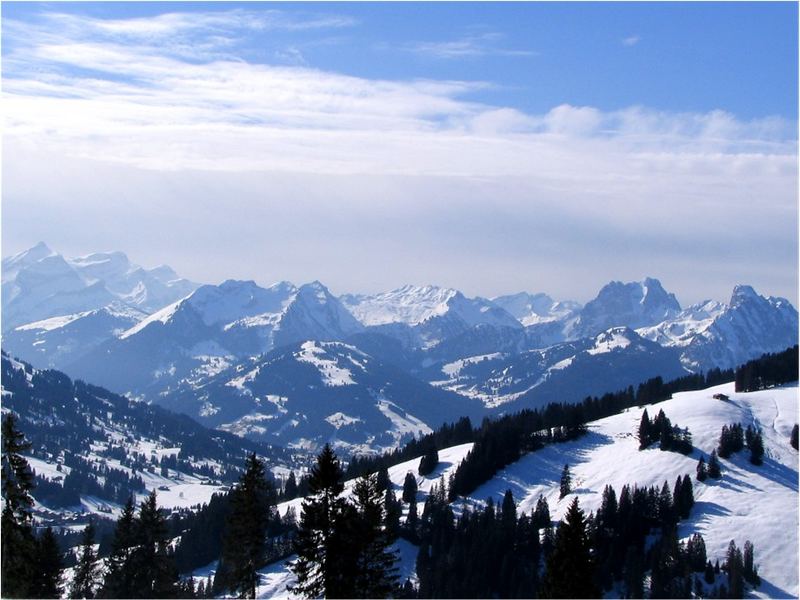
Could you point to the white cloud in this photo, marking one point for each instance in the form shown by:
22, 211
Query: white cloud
483, 44
631, 40
411, 180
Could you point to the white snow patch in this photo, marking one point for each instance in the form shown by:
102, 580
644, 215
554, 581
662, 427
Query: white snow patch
332, 374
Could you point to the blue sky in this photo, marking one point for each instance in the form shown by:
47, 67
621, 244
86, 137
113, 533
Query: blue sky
488, 146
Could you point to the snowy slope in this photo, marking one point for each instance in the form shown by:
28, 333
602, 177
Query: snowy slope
210, 330
532, 309
748, 502
713, 334
39, 283
759, 504
433, 313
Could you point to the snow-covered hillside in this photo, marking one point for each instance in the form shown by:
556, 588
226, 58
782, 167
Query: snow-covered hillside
40, 283
756, 503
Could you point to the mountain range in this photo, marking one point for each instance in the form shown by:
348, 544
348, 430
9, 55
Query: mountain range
297, 365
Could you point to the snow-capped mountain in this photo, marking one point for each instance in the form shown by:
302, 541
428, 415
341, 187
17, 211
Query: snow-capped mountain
431, 313
58, 341
96, 448
211, 329
635, 304
38, 284
532, 309
313, 392
566, 372
713, 334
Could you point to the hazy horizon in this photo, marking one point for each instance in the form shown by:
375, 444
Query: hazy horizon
492, 148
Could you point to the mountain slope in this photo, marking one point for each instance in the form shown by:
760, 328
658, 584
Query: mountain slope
211, 329
712, 334
566, 372
95, 448
635, 304
38, 284
310, 393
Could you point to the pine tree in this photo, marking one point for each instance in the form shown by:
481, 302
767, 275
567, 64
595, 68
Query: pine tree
375, 574
118, 579
86, 572
793, 437
49, 565
570, 568
541, 514
290, 489
152, 561
714, 468
755, 443
244, 547
315, 567
734, 566
644, 431
410, 488
749, 569
566, 482
702, 472
429, 461
411, 523
393, 510
18, 552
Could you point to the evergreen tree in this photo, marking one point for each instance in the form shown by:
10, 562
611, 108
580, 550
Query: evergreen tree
429, 461
49, 565
382, 479
755, 442
714, 468
393, 510
793, 437
290, 489
410, 488
570, 568
118, 579
252, 506
375, 574
411, 522
541, 514
644, 431
749, 569
18, 552
86, 572
152, 561
702, 472
316, 566
566, 482
735, 567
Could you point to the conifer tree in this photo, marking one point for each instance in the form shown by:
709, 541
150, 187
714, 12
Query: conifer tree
566, 482
411, 522
755, 443
749, 569
702, 472
644, 431
49, 565
393, 510
290, 489
118, 579
152, 561
316, 567
714, 468
734, 565
86, 572
375, 574
244, 547
570, 568
410, 488
793, 437
541, 514
18, 552
429, 461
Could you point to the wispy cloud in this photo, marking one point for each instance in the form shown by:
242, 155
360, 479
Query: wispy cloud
631, 40
485, 44
86, 100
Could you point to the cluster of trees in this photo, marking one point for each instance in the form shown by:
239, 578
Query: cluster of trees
343, 545
669, 437
31, 564
712, 469
733, 439
62, 418
493, 552
767, 371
